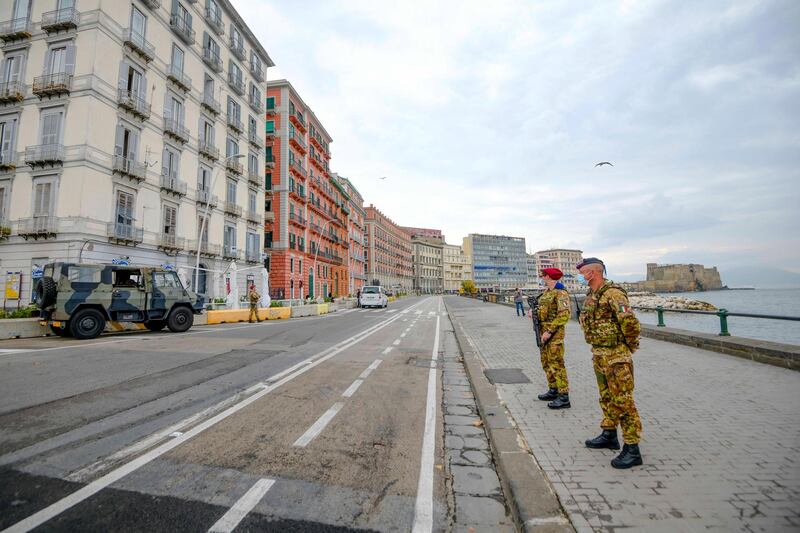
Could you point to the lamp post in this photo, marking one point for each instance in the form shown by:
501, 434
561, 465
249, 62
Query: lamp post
205, 218
316, 252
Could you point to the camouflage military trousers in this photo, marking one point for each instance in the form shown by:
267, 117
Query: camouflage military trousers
553, 365
254, 312
614, 370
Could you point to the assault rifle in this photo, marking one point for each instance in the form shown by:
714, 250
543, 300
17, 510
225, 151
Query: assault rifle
533, 303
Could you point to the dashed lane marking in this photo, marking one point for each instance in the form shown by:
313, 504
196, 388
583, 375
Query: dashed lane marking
352, 388
244, 505
317, 427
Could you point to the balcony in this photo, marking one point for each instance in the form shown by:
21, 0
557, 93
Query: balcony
125, 166
253, 256
43, 154
237, 49
255, 178
12, 91
52, 84
11, 30
271, 111
136, 42
211, 104
270, 135
297, 219
234, 166
124, 233
235, 124
176, 130
204, 197
254, 217
297, 168
182, 29
256, 104
298, 121
8, 161
212, 59
233, 209
134, 103
38, 227
270, 161
152, 4
255, 140
214, 20
230, 252
171, 184
180, 79
60, 19
236, 83
297, 139
171, 242
257, 71
207, 149
206, 249
269, 216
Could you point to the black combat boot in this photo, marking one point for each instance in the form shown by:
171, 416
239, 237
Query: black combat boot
562, 402
629, 457
551, 394
606, 439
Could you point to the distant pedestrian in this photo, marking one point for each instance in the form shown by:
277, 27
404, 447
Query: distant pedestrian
612, 329
253, 297
553, 317
518, 299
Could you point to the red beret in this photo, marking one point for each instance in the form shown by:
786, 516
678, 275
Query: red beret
553, 273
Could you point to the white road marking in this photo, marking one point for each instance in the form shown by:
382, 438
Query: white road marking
244, 505
396, 342
405, 320
417, 312
352, 388
387, 350
10, 350
423, 508
375, 364
176, 434
317, 427
35, 520
391, 311
431, 313
403, 334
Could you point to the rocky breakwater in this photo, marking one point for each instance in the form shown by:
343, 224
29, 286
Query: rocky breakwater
652, 300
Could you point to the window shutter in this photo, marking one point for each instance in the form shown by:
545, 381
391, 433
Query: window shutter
119, 140
70, 59
188, 20
133, 145
143, 88
47, 59
123, 75
174, 7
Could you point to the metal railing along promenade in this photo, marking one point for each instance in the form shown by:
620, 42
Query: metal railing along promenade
722, 314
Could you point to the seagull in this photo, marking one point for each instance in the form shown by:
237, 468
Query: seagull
601, 163
383, 178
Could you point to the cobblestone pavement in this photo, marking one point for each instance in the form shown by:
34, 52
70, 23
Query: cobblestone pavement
721, 435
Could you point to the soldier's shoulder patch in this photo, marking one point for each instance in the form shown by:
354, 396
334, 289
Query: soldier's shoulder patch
624, 308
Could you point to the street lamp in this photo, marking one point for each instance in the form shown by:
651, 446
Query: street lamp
205, 218
316, 252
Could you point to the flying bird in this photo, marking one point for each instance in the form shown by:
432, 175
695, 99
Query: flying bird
383, 178
601, 163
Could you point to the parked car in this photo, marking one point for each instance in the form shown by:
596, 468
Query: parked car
77, 299
373, 296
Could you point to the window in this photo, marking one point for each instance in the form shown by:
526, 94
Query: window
251, 201
213, 10
270, 102
236, 37
231, 147
291, 108
177, 60
51, 127
170, 219
205, 229
255, 60
252, 163
124, 209
211, 45
230, 191
174, 109
252, 126
206, 131
270, 128
181, 16
229, 238
255, 94
84, 274
126, 144
3, 197
138, 24
43, 199
203, 178
12, 68
208, 86
171, 163
132, 80
166, 280
252, 245
235, 72
8, 127
234, 109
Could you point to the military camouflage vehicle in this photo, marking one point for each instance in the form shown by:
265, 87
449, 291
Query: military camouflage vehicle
77, 299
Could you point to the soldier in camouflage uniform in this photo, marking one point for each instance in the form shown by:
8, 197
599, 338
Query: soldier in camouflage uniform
553, 317
253, 297
612, 329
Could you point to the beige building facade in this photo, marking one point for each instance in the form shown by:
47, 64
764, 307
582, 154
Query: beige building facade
564, 260
116, 123
428, 266
457, 267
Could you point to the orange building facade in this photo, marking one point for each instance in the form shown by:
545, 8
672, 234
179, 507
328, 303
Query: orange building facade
389, 256
357, 262
306, 224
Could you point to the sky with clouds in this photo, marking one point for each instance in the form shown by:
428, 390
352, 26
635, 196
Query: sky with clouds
488, 117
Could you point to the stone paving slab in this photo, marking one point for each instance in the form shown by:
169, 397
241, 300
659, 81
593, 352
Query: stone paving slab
721, 435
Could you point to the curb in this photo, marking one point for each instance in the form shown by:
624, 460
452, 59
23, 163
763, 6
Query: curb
532, 501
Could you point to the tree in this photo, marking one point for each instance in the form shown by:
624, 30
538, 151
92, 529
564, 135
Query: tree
468, 286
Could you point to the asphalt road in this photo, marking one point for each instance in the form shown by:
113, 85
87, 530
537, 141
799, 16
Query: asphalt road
315, 424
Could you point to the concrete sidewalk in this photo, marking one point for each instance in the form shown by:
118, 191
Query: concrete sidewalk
721, 435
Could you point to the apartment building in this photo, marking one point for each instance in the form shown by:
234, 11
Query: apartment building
118, 121
498, 261
306, 232
357, 262
456, 266
427, 266
564, 260
389, 254
533, 274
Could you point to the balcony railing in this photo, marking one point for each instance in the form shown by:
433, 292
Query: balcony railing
210, 103
11, 30
52, 84
297, 139
60, 19
236, 83
214, 20
211, 250
8, 161
139, 44
257, 71
128, 167
152, 4
12, 91
170, 241
205, 197
254, 177
253, 256
208, 149
270, 161
271, 110
175, 129
297, 219
181, 28
234, 166
212, 59
256, 104
254, 217
297, 167
134, 103
255, 140
237, 49
171, 183
179, 78
232, 208
38, 227
235, 124
270, 135
44, 153
231, 252
125, 233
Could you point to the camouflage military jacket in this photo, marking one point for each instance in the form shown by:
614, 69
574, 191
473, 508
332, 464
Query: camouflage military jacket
254, 297
553, 309
608, 319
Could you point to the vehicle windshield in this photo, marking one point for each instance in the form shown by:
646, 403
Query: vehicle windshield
370, 290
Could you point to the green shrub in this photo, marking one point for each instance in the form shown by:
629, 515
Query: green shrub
275, 303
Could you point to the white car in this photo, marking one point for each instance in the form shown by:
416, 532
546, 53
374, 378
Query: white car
373, 296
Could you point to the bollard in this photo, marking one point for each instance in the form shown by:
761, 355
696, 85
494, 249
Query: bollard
660, 311
723, 323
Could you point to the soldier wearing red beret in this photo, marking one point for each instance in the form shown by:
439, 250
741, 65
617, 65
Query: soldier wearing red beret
553, 317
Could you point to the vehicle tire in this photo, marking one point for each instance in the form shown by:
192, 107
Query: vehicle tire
180, 319
87, 324
46, 292
61, 332
155, 325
